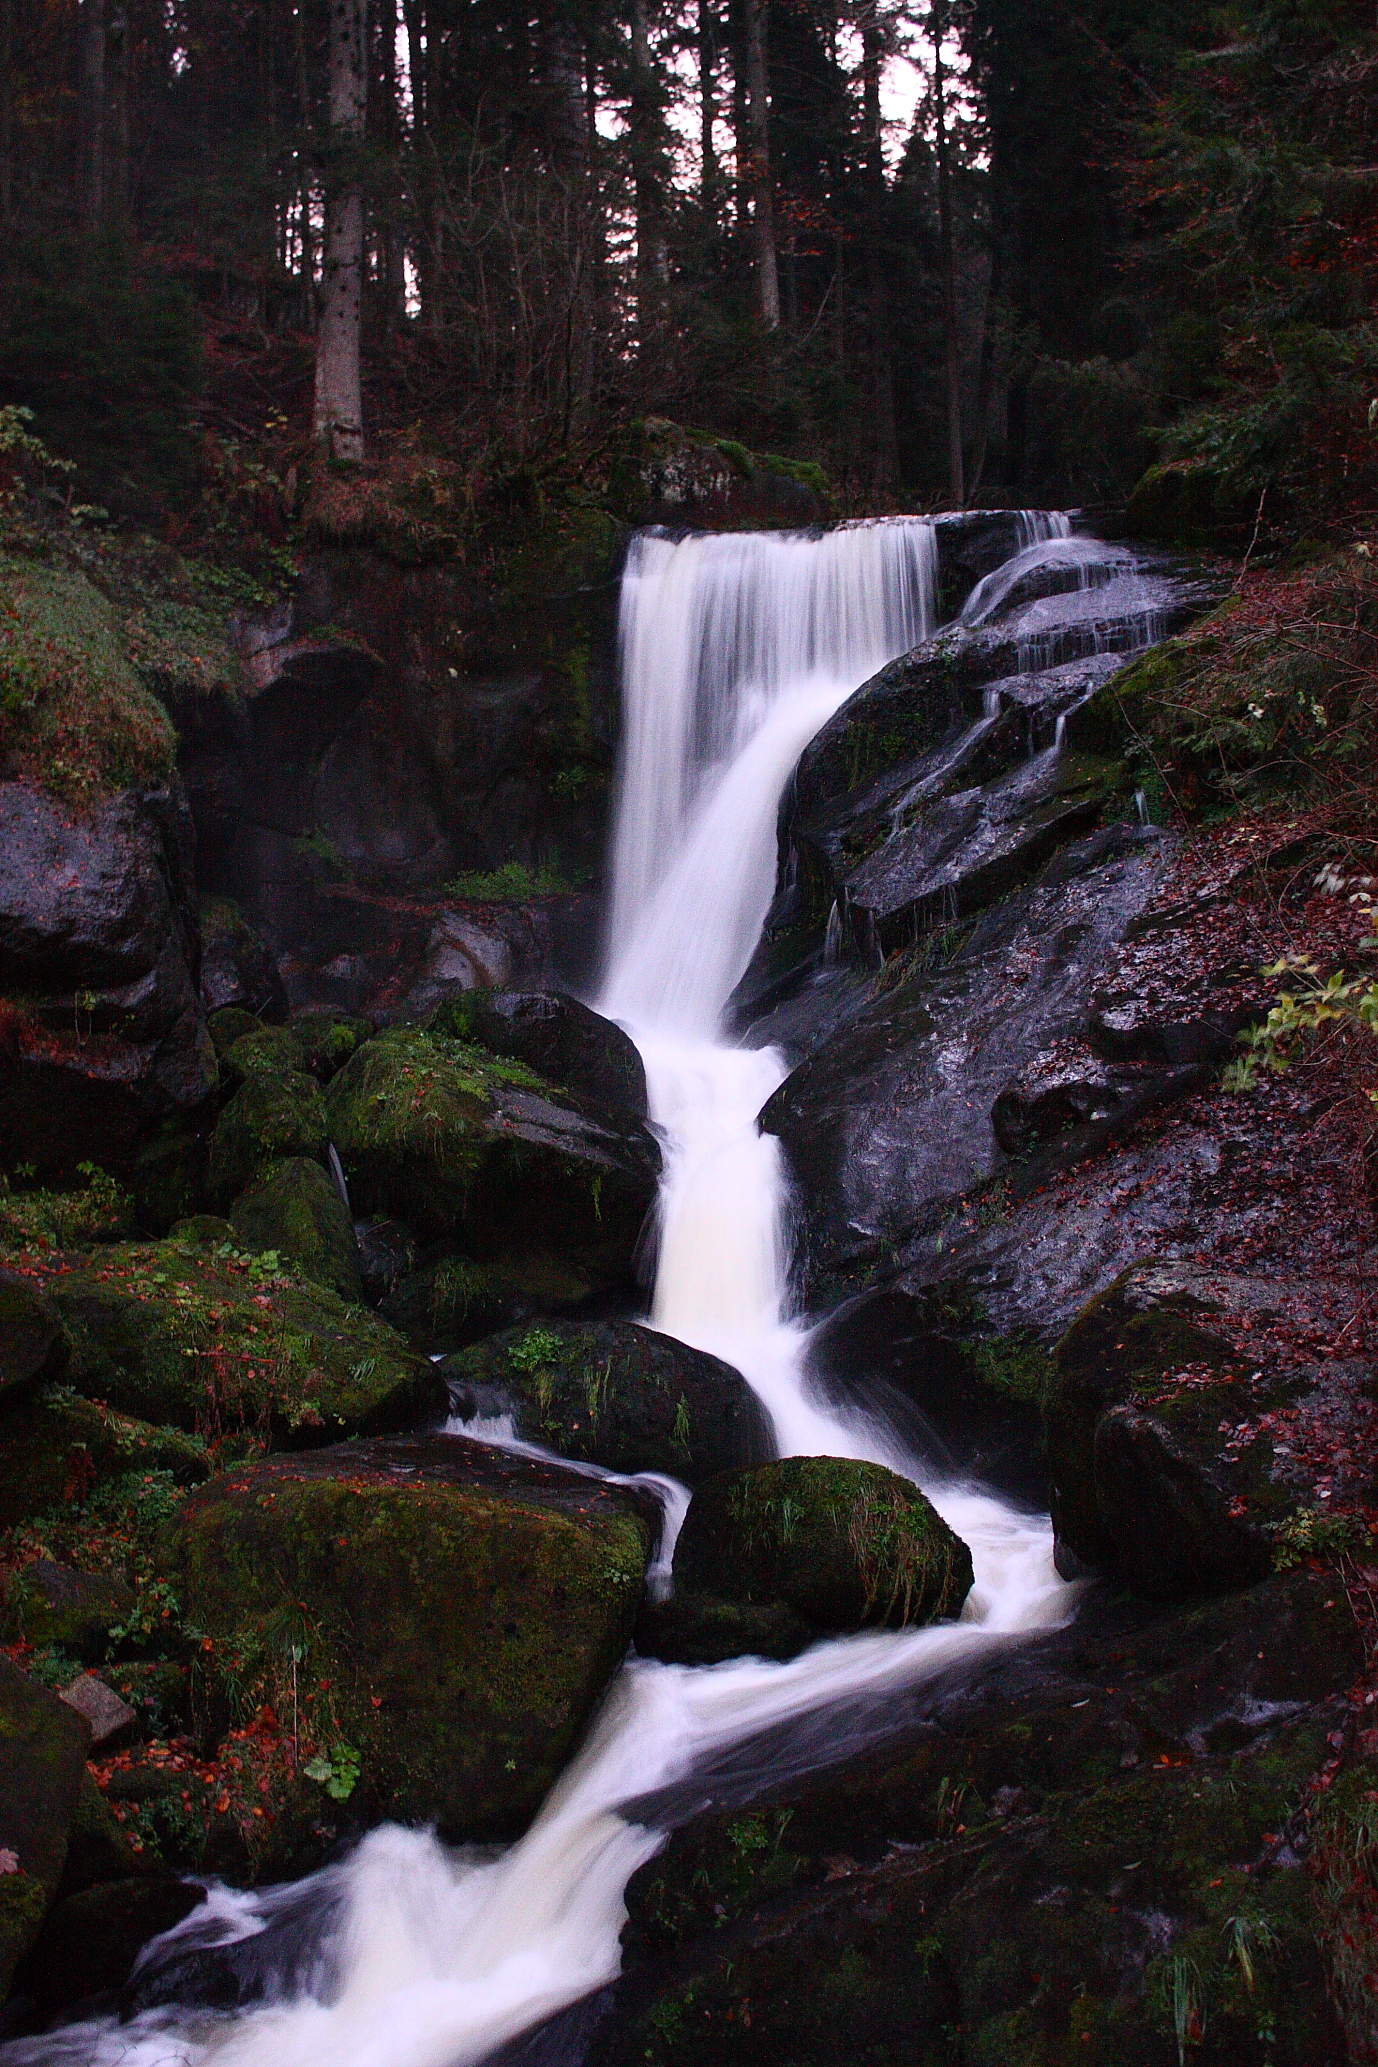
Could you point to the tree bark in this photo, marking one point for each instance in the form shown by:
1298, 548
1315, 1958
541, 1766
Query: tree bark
119, 113
647, 174
882, 377
6, 112
762, 194
947, 259
91, 170
394, 240
708, 157
338, 417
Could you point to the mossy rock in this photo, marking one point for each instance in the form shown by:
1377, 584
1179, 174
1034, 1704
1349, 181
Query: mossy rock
476, 1148
272, 1115
33, 1342
43, 1746
202, 1231
451, 1301
615, 1394
214, 1342
74, 718
230, 1024
702, 1629
1143, 1486
58, 1607
561, 1038
57, 1446
1186, 503
460, 1610
846, 1545
296, 1210
317, 1045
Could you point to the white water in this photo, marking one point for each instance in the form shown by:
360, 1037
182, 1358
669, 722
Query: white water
735, 650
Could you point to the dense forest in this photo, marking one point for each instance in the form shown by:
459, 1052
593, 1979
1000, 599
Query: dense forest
688, 994
1114, 234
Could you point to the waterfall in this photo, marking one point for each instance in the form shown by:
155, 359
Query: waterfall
735, 649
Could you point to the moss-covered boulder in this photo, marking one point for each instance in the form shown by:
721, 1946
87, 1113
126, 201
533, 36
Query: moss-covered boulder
43, 1746
845, 1545
319, 1044
230, 1024
457, 1613
613, 1393
295, 1209
219, 1342
1146, 1390
452, 1300
273, 1115
464, 1145
33, 1342
561, 1038
57, 1446
62, 1608
693, 1628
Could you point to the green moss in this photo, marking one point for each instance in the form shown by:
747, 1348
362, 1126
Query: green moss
844, 1544
271, 1117
98, 1211
74, 718
295, 1210
59, 1446
1016, 1366
455, 1638
222, 1344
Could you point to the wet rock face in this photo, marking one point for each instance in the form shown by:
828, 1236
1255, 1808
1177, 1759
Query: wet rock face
889, 1121
464, 1609
103, 1034
1024, 1853
614, 1394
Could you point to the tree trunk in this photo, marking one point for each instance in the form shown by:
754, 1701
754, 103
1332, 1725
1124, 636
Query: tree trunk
949, 270
6, 112
762, 195
119, 113
882, 378
338, 419
91, 171
647, 175
708, 157
394, 241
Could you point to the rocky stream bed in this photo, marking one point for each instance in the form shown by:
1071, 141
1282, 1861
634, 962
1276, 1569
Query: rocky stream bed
258, 1266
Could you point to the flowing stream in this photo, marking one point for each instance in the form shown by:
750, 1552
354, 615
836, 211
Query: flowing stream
735, 650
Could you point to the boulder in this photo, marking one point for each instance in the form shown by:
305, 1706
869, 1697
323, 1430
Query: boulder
476, 1148
563, 1040
315, 1044
238, 969
481, 946
1142, 1484
102, 1033
888, 1123
450, 1300
1051, 1850
462, 1610
387, 1253
230, 1024
110, 1901
108, 1716
52, 1605
211, 1342
844, 1545
612, 1393
271, 1117
295, 1209
56, 1446
33, 1344
693, 1628
43, 1748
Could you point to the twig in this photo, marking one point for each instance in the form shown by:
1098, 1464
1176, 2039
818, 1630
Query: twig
1244, 564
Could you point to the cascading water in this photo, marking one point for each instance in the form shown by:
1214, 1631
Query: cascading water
735, 650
